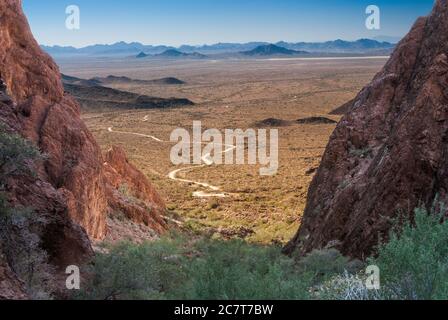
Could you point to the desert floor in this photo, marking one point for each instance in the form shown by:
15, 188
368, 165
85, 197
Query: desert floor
231, 94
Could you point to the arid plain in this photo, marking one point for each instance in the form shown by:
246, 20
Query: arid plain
230, 94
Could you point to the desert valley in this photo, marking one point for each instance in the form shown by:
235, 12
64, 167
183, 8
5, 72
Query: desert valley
100, 199
249, 93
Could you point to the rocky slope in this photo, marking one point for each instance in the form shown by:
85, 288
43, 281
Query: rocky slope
130, 193
73, 187
388, 154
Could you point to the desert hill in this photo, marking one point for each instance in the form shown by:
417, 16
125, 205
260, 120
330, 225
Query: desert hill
172, 54
111, 79
141, 55
93, 94
126, 80
271, 49
99, 97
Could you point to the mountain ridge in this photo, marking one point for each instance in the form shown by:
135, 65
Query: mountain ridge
136, 48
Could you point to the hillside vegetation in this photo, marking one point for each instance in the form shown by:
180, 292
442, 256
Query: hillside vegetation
413, 265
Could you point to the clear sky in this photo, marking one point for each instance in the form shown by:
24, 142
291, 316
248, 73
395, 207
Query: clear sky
175, 22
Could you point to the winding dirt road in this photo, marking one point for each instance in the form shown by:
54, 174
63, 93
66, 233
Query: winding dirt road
173, 175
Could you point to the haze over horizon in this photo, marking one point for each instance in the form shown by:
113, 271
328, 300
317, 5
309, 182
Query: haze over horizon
198, 22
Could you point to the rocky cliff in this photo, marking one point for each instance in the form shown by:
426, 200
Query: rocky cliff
51, 119
389, 153
74, 189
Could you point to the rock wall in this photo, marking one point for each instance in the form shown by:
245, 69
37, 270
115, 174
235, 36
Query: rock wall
52, 120
73, 189
389, 153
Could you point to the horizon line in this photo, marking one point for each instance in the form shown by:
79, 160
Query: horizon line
216, 43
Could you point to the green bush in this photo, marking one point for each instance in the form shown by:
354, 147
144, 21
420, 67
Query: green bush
209, 269
236, 270
414, 263
153, 270
324, 263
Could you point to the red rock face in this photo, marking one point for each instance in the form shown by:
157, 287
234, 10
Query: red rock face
51, 119
73, 188
129, 192
388, 154
34, 86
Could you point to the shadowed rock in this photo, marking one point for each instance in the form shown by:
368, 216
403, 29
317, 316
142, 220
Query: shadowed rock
70, 189
388, 153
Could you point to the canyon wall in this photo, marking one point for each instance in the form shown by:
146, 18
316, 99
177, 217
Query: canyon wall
74, 189
389, 153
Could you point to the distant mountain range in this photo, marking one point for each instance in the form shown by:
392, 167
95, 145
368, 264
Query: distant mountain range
361, 46
390, 39
340, 46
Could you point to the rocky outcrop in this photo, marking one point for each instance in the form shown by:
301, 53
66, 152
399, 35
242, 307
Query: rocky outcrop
388, 154
51, 119
72, 190
130, 193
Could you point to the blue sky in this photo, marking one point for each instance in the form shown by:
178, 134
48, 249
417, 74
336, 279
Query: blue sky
175, 22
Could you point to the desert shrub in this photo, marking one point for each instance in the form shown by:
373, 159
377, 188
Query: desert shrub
153, 270
324, 263
414, 263
21, 248
347, 286
166, 269
237, 270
